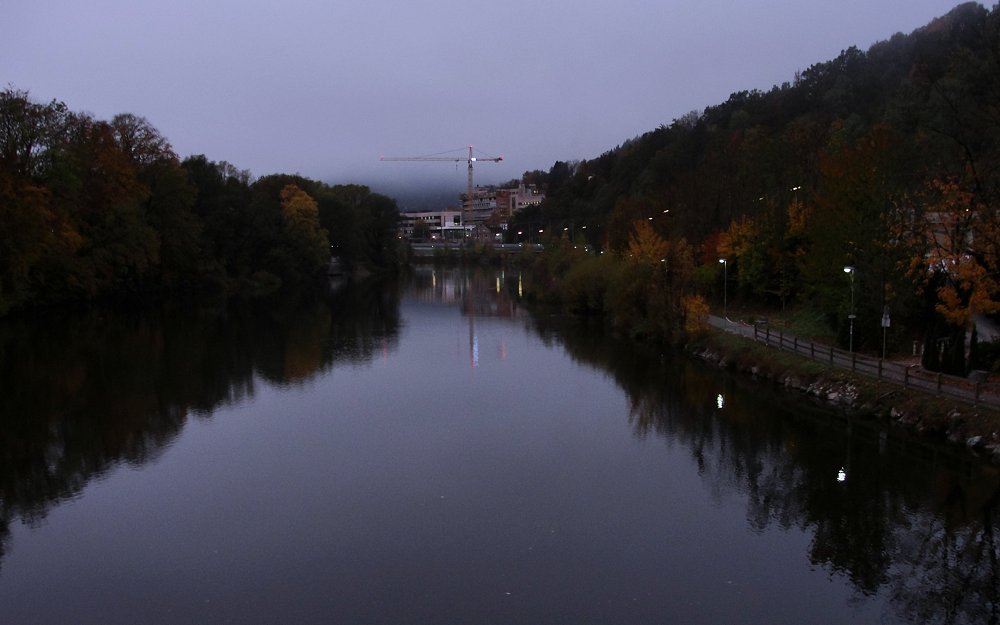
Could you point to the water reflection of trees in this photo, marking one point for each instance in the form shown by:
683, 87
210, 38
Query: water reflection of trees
910, 519
83, 392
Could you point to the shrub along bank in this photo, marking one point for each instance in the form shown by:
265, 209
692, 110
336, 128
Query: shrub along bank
645, 292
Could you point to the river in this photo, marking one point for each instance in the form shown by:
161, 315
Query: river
430, 452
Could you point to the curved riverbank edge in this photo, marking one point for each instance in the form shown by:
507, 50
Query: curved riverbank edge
976, 428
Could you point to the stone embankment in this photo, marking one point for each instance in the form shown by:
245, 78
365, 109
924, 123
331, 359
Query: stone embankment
974, 427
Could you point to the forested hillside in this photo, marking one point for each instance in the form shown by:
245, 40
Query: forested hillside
92, 208
885, 160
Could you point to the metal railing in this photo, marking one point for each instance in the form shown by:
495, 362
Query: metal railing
974, 391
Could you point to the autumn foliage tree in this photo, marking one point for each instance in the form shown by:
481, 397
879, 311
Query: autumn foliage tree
92, 208
834, 167
652, 295
954, 266
307, 243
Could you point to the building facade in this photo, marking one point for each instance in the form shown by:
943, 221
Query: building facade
443, 225
485, 219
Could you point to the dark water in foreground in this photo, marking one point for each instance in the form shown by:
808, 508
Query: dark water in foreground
432, 454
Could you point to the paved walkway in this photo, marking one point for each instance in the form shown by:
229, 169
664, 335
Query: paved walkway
973, 390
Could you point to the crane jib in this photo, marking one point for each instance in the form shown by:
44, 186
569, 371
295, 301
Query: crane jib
467, 205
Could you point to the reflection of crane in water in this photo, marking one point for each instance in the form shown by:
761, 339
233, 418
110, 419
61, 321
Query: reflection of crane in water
477, 294
480, 299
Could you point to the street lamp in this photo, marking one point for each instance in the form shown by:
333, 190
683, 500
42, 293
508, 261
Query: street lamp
849, 270
725, 285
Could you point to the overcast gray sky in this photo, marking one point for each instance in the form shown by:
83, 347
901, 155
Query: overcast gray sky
323, 88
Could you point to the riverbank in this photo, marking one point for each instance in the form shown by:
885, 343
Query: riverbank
976, 428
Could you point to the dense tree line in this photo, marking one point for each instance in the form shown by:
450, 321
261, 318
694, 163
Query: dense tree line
91, 208
887, 161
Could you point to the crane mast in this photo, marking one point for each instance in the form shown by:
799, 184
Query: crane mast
467, 205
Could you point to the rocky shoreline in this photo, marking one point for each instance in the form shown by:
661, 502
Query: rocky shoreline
975, 428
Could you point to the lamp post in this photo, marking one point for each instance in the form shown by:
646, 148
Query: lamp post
849, 270
725, 286
885, 326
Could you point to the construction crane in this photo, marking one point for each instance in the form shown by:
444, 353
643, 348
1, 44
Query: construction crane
467, 205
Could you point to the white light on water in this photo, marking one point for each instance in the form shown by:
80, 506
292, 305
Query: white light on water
842, 475
720, 401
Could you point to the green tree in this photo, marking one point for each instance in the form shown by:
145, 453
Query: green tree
421, 231
139, 140
183, 262
362, 226
858, 207
122, 247
27, 131
221, 200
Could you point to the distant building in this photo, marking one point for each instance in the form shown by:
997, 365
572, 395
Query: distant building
440, 225
489, 212
509, 201
483, 205
492, 208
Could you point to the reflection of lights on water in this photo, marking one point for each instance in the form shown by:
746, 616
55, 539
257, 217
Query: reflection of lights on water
475, 351
720, 401
498, 284
842, 475
520, 291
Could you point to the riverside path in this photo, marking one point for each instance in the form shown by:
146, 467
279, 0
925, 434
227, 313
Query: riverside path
977, 389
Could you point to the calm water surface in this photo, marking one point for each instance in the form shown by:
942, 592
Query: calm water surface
430, 453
